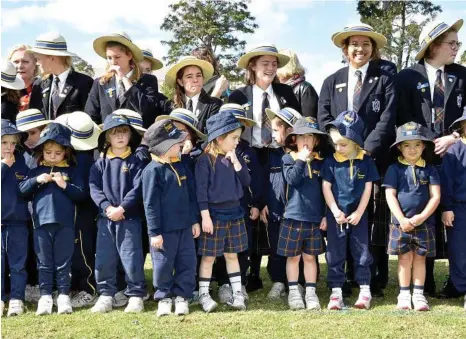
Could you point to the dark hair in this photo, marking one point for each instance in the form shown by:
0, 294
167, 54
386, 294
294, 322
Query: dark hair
427, 154
429, 54
69, 153
12, 95
180, 94
375, 50
250, 75
206, 54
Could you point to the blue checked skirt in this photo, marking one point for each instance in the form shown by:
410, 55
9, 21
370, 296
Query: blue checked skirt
421, 240
229, 237
299, 236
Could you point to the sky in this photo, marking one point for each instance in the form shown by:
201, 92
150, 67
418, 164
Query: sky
304, 26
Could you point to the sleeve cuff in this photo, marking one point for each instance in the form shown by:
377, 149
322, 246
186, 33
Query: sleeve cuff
203, 206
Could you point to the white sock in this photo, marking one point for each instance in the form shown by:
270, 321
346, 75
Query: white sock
310, 290
204, 286
405, 292
337, 290
235, 281
418, 289
293, 286
366, 289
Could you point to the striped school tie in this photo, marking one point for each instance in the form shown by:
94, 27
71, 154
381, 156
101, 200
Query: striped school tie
439, 104
266, 130
55, 98
357, 91
121, 92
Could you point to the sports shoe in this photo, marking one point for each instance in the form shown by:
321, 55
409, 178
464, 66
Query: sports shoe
404, 301
64, 304
165, 307
120, 299
103, 305
224, 293
364, 301
135, 305
146, 297
45, 305
336, 302
208, 304
237, 302
277, 291
15, 307
83, 299
245, 292
312, 302
181, 306
32, 293
420, 302
295, 300
195, 298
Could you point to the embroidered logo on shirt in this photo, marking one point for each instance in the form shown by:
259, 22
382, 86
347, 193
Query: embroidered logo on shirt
124, 169
19, 176
360, 175
183, 177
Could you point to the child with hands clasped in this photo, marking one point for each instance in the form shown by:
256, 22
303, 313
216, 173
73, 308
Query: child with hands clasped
303, 220
347, 186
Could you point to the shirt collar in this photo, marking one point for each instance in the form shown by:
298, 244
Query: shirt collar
260, 91
130, 73
341, 158
62, 163
124, 155
419, 163
363, 70
431, 70
63, 76
194, 98
171, 161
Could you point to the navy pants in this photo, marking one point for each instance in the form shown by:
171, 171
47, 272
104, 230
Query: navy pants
276, 266
15, 251
54, 247
457, 248
119, 240
336, 252
175, 265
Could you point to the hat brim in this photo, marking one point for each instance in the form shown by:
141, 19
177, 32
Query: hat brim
45, 51
206, 67
11, 131
409, 138
28, 127
339, 37
15, 85
306, 130
100, 43
199, 134
272, 114
156, 63
89, 143
132, 142
139, 129
43, 140
246, 121
164, 146
353, 136
224, 130
455, 126
456, 26
244, 60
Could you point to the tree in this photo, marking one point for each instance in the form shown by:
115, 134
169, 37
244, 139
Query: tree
82, 66
463, 58
212, 24
401, 24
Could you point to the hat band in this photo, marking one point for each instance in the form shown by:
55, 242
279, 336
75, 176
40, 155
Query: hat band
264, 49
358, 28
433, 33
147, 54
80, 134
236, 112
135, 121
313, 125
184, 117
56, 46
30, 119
290, 117
8, 77
121, 36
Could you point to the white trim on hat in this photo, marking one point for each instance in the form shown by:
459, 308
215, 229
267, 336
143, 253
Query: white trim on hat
359, 29
155, 63
178, 113
122, 38
9, 77
264, 49
51, 43
135, 119
31, 118
206, 67
84, 132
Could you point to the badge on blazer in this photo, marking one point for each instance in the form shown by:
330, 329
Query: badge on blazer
110, 91
376, 105
422, 86
459, 100
283, 101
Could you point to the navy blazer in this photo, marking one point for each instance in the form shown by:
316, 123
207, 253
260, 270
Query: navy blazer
377, 109
415, 100
73, 96
142, 97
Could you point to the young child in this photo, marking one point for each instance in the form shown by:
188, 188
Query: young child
412, 189
347, 185
303, 220
220, 178
453, 181
54, 186
171, 211
115, 185
15, 217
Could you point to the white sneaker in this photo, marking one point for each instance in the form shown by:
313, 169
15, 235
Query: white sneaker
2, 306
277, 291
195, 298
146, 297
83, 299
224, 293
135, 305
181, 306
15, 307
336, 302
312, 302
120, 299
245, 293
364, 301
404, 301
420, 302
238, 301
208, 304
64, 304
295, 300
165, 307
103, 305
32, 294
45, 305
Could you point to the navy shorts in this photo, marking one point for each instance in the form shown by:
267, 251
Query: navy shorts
299, 236
421, 240
229, 237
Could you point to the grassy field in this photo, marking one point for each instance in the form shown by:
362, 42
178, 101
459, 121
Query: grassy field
263, 319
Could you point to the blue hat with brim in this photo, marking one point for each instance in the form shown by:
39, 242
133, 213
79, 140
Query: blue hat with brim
8, 128
117, 120
55, 132
220, 124
456, 125
413, 131
350, 127
307, 125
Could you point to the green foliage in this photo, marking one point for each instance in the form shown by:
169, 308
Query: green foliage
82, 66
168, 91
463, 58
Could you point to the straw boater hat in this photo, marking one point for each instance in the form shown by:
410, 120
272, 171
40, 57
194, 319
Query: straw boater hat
134, 118
264, 49
84, 132
31, 118
359, 29
239, 113
10, 79
206, 67
51, 43
431, 32
156, 63
122, 38
185, 117
287, 114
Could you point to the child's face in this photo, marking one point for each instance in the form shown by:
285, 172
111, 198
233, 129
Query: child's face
229, 142
412, 150
343, 145
33, 137
182, 127
279, 130
174, 151
306, 140
9, 143
118, 137
53, 153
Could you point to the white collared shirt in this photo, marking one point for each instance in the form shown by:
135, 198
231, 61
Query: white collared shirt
352, 81
195, 100
117, 80
432, 76
63, 76
257, 93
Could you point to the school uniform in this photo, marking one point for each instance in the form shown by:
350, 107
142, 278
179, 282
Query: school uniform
9, 110
74, 89
15, 231
306, 95
348, 179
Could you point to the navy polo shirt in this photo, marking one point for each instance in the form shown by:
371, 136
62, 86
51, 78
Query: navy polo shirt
349, 178
453, 175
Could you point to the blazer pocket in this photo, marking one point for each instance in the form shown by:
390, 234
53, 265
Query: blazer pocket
376, 103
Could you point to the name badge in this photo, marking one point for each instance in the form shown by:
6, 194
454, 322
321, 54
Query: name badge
340, 85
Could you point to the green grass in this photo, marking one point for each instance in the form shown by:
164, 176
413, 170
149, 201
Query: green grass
263, 319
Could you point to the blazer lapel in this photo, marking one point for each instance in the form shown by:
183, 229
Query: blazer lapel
110, 92
423, 80
250, 103
201, 106
341, 90
280, 98
69, 85
370, 82
46, 87
450, 82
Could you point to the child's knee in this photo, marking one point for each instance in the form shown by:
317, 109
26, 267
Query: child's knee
293, 260
420, 259
231, 256
406, 257
207, 260
309, 259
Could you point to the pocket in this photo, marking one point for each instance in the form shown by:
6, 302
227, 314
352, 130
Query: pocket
376, 103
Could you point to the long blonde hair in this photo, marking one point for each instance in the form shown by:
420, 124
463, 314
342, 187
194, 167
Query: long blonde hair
109, 75
26, 49
292, 67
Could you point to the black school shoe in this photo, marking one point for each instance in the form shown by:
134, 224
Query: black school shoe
347, 290
448, 291
430, 289
377, 291
254, 283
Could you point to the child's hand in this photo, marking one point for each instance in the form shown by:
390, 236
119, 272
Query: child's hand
157, 242
304, 154
416, 220
207, 225
117, 70
44, 178
447, 218
187, 147
8, 159
58, 179
196, 230
254, 213
232, 156
115, 213
323, 224
340, 217
265, 215
354, 218
406, 225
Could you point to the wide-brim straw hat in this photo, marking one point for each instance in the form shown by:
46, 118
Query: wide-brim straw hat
186, 117
205, 66
155, 63
9, 78
100, 45
31, 118
431, 32
84, 132
359, 29
134, 118
287, 114
51, 43
264, 49
239, 113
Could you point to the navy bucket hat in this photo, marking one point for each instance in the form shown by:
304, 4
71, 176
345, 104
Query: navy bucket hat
307, 125
55, 132
350, 126
220, 124
456, 125
162, 135
8, 128
117, 120
412, 131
